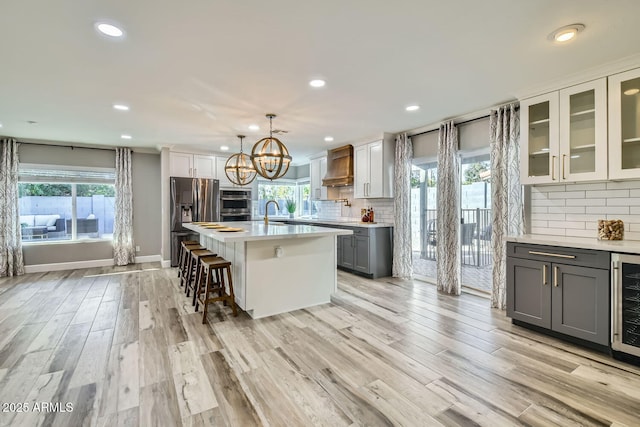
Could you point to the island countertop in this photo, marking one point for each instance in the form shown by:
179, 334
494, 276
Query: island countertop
256, 230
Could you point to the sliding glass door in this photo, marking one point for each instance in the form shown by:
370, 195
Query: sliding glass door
475, 221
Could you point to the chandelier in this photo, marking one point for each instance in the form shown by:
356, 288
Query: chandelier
239, 168
270, 157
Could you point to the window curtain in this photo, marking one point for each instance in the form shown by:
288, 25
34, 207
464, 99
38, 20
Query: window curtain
448, 211
402, 266
11, 259
123, 247
506, 193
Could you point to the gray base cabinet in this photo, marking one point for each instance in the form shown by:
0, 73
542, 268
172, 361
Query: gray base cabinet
561, 289
368, 251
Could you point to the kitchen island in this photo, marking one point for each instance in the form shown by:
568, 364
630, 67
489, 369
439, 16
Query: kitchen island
277, 267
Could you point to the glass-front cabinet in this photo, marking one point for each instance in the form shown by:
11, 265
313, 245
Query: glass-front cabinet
564, 135
624, 125
539, 139
583, 132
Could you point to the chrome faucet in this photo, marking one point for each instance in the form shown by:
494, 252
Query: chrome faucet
266, 211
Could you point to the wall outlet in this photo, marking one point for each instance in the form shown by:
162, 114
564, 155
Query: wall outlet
137, 248
279, 253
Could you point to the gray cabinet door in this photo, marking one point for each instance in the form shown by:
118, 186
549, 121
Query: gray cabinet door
529, 291
580, 298
362, 261
347, 258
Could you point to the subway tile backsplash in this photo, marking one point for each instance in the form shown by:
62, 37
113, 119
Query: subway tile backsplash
383, 208
574, 209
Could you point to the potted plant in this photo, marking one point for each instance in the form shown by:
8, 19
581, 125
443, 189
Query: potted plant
291, 207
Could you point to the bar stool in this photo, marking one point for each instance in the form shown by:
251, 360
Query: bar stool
192, 269
184, 261
210, 267
182, 252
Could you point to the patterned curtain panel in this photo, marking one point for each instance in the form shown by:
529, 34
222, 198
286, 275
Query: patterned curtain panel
402, 266
448, 211
11, 260
123, 247
506, 194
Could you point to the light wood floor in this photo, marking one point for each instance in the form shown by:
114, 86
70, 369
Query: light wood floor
127, 349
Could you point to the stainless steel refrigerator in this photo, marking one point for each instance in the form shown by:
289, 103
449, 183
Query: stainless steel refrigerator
192, 200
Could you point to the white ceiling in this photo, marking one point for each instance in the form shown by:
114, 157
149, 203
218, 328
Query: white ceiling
198, 72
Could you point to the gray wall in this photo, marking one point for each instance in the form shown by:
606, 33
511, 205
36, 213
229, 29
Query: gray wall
146, 203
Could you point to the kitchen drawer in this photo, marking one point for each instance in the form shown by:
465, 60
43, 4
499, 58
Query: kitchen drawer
360, 231
568, 256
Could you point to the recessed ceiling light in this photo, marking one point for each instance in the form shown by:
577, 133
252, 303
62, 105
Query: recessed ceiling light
109, 29
224, 147
125, 136
631, 91
412, 108
254, 127
121, 107
566, 33
317, 83
328, 138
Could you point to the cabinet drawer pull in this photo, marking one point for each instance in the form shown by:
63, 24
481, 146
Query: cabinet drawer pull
564, 156
555, 276
544, 274
553, 255
553, 168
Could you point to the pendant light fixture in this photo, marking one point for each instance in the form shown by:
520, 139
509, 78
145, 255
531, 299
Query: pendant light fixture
270, 157
239, 167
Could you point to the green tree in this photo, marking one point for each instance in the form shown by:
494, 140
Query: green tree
415, 179
472, 174
38, 189
88, 190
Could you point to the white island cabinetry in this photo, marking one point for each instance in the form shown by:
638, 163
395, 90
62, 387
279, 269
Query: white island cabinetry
277, 268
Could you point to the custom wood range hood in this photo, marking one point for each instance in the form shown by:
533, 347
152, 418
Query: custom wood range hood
339, 167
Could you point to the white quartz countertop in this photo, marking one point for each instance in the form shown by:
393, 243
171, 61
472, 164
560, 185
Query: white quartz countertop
624, 246
256, 230
347, 222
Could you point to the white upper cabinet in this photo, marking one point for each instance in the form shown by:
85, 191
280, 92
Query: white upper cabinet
317, 171
181, 164
192, 165
222, 176
373, 169
563, 135
204, 166
624, 125
583, 132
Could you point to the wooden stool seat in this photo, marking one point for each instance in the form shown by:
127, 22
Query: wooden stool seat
212, 279
191, 277
185, 256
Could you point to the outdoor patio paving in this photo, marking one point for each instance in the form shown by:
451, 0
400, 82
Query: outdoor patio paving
472, 276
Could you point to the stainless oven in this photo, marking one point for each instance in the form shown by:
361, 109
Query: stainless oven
235, 205
625, 304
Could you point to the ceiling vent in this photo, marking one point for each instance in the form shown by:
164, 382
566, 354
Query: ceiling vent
339, 167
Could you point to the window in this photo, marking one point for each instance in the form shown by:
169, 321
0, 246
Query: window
284, 191
65, 204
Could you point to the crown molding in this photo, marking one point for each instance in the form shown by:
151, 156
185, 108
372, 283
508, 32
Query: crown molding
600, 71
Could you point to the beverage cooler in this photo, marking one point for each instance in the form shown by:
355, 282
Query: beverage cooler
625, 305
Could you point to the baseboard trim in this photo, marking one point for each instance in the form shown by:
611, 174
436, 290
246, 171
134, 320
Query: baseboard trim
148, 258
39, 268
